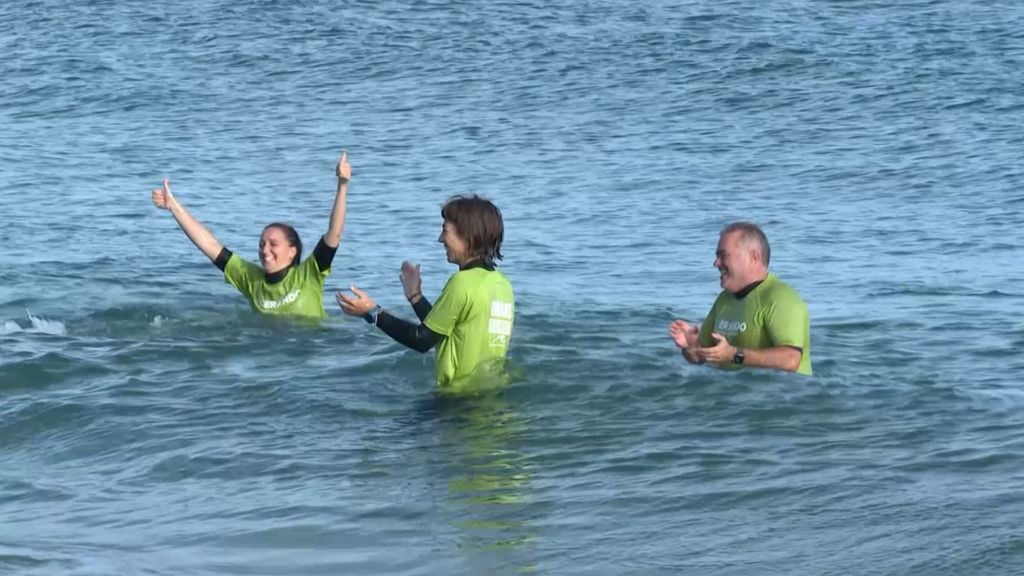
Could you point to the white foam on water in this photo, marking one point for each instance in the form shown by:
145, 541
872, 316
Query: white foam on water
157, 322
55, 327
36, 325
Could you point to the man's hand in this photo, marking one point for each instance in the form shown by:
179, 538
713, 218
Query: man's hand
344, 170
162, 197
684, 334
357, 305
411, 281
720, 353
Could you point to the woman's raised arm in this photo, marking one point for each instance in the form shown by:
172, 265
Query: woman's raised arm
337, 222
196, 232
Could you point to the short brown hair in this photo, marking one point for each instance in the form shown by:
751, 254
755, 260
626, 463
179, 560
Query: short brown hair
479, 223
751, 235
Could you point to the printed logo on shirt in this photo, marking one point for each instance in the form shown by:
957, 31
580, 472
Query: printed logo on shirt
283, 301
500, 324
730, 327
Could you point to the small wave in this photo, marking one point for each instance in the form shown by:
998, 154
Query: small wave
940, 291
20, 561
35, 325
999, 294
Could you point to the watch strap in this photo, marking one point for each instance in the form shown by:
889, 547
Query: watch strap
738, 357
371, 316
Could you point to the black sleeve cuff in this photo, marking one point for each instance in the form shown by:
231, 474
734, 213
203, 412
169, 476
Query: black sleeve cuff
324, 254
221, 261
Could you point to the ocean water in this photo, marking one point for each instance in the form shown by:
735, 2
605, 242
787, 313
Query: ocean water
151, 424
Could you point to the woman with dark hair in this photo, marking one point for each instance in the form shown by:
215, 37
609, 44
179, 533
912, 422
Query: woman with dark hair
284, 283
471, 321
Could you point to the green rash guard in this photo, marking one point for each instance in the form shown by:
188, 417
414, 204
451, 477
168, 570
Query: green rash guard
299, 293
474, 313
771, 315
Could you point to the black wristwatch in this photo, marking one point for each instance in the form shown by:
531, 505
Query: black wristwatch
738, 357
371, 316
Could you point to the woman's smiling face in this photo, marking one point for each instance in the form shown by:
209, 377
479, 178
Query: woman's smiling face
276, 253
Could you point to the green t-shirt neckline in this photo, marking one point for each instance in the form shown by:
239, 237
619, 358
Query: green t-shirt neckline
299, 293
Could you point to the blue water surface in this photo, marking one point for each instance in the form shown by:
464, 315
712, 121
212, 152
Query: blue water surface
151, 424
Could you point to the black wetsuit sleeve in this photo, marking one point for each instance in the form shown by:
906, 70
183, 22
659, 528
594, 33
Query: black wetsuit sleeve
422, 308
221, 261
324, 254
415, 336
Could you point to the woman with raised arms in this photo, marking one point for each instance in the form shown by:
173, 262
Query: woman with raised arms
283, 283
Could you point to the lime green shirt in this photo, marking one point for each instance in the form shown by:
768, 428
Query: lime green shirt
299, 293
772, 314
474, 313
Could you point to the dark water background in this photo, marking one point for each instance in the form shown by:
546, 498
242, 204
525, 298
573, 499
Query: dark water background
150, 424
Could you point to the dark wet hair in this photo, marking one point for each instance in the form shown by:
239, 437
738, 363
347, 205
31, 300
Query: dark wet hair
291, 236
479, 223
751, 235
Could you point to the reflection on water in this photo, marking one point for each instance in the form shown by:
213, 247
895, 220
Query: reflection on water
489, 483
